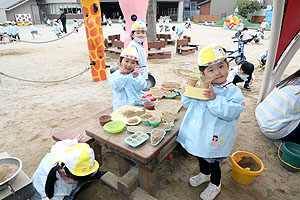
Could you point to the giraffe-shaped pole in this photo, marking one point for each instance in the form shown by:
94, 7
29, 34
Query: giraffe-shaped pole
94, 35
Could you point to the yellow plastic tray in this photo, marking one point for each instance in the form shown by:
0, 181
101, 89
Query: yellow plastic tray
195, 92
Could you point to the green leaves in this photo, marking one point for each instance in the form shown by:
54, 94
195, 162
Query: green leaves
247, 6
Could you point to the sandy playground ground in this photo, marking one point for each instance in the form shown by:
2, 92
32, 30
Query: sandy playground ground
31, 112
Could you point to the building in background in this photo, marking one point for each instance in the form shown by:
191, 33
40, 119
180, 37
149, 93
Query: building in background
9, 9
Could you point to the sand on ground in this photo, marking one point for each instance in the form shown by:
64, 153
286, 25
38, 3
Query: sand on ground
31, 112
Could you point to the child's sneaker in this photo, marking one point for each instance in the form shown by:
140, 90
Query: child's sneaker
199, 179
247, 87
210, 192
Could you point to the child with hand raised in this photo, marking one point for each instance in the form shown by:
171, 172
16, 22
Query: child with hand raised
127, 83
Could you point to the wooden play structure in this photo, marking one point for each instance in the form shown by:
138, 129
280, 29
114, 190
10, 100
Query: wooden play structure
94, 35
155, 50
116, 49
183, 48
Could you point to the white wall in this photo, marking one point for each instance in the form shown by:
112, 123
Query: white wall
3, 15
23, 9
217, 7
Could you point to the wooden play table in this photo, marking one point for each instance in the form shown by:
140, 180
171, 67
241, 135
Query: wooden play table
146, 157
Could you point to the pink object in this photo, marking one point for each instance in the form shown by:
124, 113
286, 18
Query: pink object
170, 156
133, 7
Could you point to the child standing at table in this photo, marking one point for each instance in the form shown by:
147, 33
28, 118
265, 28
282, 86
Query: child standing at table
138, 36
209, 127
127, 83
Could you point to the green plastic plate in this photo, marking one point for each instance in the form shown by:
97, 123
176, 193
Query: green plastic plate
114, 126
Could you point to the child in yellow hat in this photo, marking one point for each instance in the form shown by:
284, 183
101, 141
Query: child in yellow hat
209, 127
127, 82
67, 168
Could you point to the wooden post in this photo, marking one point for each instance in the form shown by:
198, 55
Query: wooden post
124, 165
98, 152
148, 179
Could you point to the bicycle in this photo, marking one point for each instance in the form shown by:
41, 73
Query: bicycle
238, 55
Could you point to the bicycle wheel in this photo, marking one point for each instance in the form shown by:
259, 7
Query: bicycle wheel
239, 60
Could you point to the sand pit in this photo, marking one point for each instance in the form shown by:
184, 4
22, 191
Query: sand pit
31, 112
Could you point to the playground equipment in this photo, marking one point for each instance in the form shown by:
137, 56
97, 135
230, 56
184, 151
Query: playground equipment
133, 10
94, 35
237, 55
231, 23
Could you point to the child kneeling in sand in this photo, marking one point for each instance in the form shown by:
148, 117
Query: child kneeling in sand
65, 170
209, 127
127, 83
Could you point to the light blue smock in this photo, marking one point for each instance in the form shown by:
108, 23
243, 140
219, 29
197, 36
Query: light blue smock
56, 30
205, 119
126, 89
15, 30
142, 58
9, 29
39, 178
179, 30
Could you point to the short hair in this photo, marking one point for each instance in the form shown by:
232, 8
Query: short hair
202, 68
247, 67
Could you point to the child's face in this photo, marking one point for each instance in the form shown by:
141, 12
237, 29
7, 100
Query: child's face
139, 34
67, 179
218, 72
242, 71
128, 65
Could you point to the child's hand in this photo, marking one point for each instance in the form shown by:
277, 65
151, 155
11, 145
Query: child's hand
79, 137
135, 73
210, 92
122, 70
251, 81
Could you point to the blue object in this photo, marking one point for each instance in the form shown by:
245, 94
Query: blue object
237, 55
140, 102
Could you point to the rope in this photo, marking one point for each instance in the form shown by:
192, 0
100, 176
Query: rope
43, 42
33, 81
283, 160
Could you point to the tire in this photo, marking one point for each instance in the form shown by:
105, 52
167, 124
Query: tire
239, 60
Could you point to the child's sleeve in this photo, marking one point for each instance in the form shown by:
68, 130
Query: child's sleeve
227, 108
118, 81
139, 82
185, 101
231, 75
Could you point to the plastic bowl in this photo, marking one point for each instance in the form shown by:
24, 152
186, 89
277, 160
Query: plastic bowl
170, 95
149, 105
114, 126
154, 121
145, 119
104, 119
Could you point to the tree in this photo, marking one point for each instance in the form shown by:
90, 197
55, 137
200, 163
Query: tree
247, 6
151, 20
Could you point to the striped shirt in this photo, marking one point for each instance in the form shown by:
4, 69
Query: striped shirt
279, 114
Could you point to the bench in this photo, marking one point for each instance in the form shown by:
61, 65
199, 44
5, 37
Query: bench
116, 50
112, 38
190, 44
165, 37
154, 50
183, 48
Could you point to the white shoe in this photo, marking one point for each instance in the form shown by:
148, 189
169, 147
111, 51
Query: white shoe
199, 179
210, 192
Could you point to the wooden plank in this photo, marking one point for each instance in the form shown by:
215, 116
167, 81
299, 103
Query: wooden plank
139, 194
129, 182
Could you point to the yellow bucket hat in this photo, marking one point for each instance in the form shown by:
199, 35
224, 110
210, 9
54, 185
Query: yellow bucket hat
210, 55
130, 53
139, 25
79, 159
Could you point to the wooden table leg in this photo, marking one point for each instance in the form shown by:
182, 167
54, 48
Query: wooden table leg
148, 179
98, 152
124, 165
